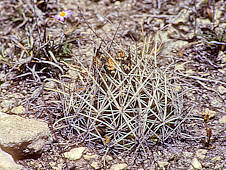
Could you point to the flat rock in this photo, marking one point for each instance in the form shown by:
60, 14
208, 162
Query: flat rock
18, 110
21, 137
201, 153
162, 164
7, 162
74, 154
196, 164
118, 166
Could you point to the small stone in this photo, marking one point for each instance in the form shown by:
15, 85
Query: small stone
117, 3
7, 103
162, 164
201, 153
196, 164
89, 156
118, 166
223, 120
18, 110
74, 154
95, 165
188, 154
222, 89
107, 158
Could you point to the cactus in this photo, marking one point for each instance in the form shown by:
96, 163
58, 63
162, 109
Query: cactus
117, 110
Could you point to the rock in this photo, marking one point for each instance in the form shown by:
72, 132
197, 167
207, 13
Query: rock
18, 110
107, 158
201, 153
162, 164
118, 166
196, 164
95, 165
21, 137
223, 120
222, 89
8, 104
90, 156
7, 162
74, 154
188, 154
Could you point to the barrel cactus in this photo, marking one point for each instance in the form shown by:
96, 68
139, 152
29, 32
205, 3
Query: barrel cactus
123, 102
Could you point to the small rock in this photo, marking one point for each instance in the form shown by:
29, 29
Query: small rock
188, 154
107, 158
89, 156
201, 153
8, 103
95, 165
7, 162
222, 89
118, 166
223, 120
18, 110
196, 164
162, 164
74, 154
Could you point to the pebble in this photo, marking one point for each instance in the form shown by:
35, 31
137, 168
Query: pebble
196, 164
201, 153
222, 120
162, 164
118, 166
18, 110
95, 165
74, 154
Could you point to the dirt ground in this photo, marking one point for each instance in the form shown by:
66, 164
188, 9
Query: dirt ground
185, 27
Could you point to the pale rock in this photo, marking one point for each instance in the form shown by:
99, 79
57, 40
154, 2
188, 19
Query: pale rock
196, 164
107, 158
75, 154
222, 120
95, 165
18, 110
222, 89
7, 162
188, 154
201, 153
162, 164
118, 166
89, 156
8, 103
22, 137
